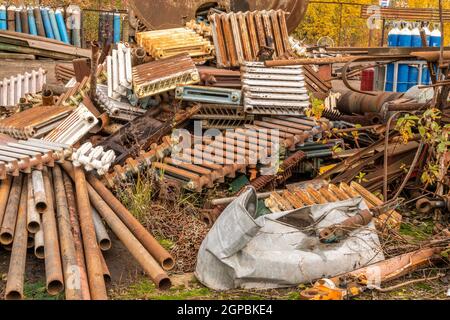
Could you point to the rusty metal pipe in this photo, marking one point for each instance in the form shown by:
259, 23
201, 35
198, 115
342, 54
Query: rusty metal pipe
148, 241
16, 273
40, 198
76, 232
94, 66
33, 217
91, 249
53, 268
139, 252
106, 272
103, 239
9, 219
47, 98
70, 267
39, 244
5, 186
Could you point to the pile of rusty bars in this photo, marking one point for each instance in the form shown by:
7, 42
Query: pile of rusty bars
59, 212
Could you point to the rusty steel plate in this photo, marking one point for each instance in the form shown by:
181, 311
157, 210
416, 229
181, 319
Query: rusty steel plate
164, 14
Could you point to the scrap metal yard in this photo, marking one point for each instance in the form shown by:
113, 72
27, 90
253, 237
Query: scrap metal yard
230, 150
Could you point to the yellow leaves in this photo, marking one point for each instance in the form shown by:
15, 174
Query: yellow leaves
360, 178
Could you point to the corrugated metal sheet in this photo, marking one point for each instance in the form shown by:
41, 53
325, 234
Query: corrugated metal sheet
170, 42
163, 75
238, 37
278, 90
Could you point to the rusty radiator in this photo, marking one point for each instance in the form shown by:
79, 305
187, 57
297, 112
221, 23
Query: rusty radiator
23, 156
239, 37
34, 122
169, 42
274, 91
309, 194
223, 78
164, 75
73, 128
15, 87
220, 116
292, 130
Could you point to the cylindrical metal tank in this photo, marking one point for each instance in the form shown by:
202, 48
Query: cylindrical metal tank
357, 103
164, 14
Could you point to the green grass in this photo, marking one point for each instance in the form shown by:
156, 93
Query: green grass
145, 290
421, 231
38, 291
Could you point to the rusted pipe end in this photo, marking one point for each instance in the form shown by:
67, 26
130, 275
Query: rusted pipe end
107, 278
41, 207
39, 252
163, 282
14, 295
105, 244
168, 264
54, 287
6, 238
424, 205
33, 227
30, 242
140, 53
47, 93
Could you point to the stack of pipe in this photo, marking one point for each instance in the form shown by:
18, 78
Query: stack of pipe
60, 214
43, 21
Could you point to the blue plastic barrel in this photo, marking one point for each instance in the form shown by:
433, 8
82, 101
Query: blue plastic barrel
54, 24
32, 22
389, 77
61, 26
402, 77
116, 25
426, 79
435, 37
47, 24
3, 21
413, 76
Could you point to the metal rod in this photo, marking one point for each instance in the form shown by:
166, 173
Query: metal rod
40, 198
91, 249
147, 240
139, 252
70, 266
16, 273
76, 232
9, 219
53, 268
33, 217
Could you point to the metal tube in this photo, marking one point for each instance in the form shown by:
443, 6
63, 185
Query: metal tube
147, 240
24, 20
39, 22
94, 66
106, 273
33, 217
93, 261
5, 186
103, 239
16, 273
53, 268
69, 259
148, 263
73, 215
39, 244
47, 98
9, 219
40, 198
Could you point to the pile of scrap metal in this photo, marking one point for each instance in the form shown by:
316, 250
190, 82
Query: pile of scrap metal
221, 104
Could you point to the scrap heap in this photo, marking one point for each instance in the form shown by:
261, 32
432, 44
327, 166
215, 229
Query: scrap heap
232, 101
